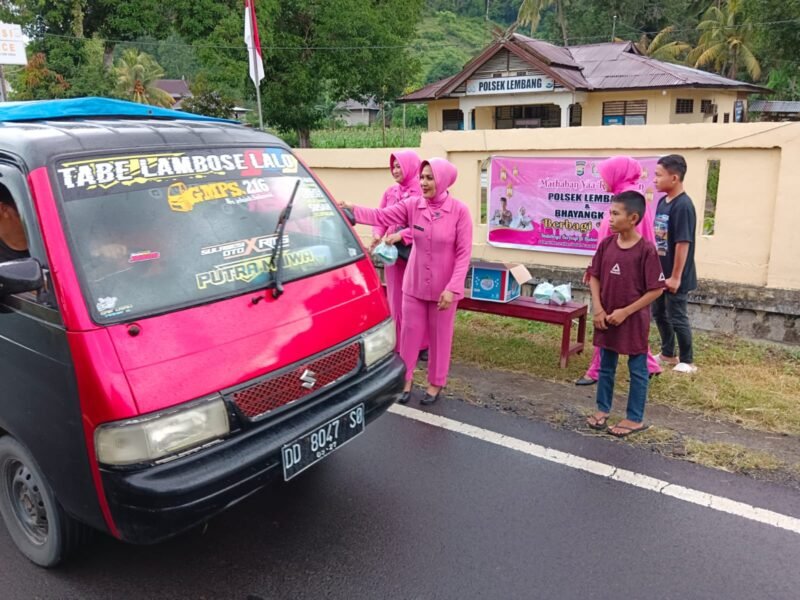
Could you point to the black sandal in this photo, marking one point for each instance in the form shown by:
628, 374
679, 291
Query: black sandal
600, 424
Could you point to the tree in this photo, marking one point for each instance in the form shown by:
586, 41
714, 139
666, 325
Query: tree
530, 13
348, 49
661, 48
777, 44
136, 74
726, 42
37, 82
205, 100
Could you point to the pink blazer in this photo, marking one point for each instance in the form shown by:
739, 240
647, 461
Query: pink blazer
442, 245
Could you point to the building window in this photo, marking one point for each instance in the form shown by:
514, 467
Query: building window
452, 119
684, 106
625, 112
707, 107
726, 118
527, 117
575, 115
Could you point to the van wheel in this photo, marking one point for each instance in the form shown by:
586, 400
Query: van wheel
35, 520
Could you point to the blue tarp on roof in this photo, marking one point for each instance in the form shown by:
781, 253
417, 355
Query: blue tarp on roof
38, 110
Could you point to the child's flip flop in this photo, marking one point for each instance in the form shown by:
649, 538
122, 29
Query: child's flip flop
599, 424
627, 430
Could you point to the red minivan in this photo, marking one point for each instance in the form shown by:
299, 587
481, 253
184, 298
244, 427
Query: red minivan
195, 319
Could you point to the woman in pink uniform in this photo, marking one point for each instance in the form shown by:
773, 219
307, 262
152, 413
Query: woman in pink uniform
441, 227
404, 166
619, 174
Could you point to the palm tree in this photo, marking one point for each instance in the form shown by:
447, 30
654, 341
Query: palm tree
530, 12
661, 48
136, 74
725, 42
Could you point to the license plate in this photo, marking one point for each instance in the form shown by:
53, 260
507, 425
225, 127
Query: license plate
315, 445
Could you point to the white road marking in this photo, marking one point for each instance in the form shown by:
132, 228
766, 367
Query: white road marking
718, 503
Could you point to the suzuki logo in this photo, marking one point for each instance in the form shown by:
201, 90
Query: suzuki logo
309, 379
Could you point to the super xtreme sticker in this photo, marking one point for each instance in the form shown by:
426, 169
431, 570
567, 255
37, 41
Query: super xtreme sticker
242, 248
248, 270
104, 173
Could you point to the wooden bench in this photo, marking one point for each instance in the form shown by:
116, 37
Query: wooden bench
524, 307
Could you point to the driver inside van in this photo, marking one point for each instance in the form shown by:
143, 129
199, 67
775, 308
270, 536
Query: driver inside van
13, 243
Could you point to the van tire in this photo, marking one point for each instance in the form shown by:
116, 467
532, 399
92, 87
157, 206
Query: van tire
35, 520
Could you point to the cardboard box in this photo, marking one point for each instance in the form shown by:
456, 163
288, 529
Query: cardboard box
496, 282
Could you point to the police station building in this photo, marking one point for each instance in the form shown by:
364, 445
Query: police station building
520, 82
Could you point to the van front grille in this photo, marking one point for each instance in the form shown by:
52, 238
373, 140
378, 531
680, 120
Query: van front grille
308, 378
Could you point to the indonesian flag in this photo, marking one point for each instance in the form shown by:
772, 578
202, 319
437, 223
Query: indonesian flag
252, 42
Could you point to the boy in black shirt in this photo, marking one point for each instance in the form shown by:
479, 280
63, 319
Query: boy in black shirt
675, 225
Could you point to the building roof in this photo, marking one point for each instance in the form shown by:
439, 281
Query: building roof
775, 106
594, 67
356, 105
177, 88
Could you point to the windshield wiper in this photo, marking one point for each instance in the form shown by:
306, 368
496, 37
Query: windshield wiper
274, 283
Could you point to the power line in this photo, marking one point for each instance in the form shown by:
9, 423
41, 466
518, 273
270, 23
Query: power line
414, 46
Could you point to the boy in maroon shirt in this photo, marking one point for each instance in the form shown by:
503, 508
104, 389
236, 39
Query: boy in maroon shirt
626, 277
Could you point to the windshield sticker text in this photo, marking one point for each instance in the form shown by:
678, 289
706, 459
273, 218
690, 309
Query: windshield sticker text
183, 198
242, 248
247, 271
105, 173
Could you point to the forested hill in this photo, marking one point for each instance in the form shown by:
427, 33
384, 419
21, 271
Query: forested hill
755, 40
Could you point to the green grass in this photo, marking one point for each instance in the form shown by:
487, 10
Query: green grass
730, 457
365, 137
754, 384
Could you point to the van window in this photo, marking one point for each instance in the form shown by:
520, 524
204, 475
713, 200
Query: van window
153, 232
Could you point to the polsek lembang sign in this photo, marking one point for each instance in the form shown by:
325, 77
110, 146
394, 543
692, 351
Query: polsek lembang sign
510, 85
12, 45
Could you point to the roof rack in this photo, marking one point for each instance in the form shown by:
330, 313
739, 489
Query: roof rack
40, 110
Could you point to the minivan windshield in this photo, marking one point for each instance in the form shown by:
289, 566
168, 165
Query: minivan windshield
151, 232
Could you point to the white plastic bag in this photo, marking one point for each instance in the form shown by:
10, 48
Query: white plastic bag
542, 293
386, 253
562, 294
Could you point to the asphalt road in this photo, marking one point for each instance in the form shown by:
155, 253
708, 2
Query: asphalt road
409, 510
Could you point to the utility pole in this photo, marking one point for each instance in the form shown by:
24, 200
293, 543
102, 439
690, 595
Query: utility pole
614, 29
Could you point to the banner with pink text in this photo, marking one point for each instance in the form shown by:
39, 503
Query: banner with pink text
552, 204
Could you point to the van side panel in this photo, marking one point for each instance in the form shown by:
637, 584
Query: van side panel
39, 407
76, 318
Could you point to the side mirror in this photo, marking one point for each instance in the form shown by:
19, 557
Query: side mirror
17, 276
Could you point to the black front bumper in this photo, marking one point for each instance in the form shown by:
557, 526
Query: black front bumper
157, 502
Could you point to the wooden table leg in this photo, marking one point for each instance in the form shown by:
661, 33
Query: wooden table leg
582, 331
565, 337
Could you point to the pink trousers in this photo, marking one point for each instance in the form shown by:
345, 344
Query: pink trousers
393, 276
593, 372
421, 318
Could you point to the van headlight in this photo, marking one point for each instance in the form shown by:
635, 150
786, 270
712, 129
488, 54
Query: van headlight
379, 342
149, 438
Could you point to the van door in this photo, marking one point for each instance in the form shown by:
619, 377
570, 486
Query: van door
39, 403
